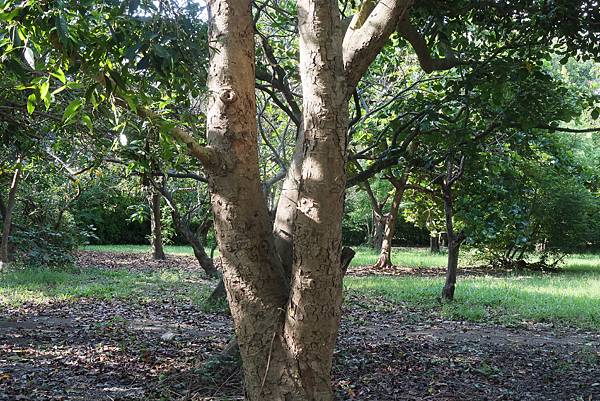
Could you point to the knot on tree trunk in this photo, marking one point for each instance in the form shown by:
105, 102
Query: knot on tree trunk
228, 96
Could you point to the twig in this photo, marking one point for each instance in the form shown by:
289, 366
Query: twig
262, 385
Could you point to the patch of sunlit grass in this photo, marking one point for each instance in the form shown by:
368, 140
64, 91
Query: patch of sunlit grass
42, 285
570, 297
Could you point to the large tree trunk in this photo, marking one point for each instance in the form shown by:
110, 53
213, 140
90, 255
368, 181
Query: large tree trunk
7, 214
385, 254
253, 276
313, 312
286, 329
156, 241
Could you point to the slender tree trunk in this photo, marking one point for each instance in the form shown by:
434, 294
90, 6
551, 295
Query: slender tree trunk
283, 226
192, 239
156, 241
379, 224
448, 290
434, 243
449, 286
8, 214
454, 241
385, 254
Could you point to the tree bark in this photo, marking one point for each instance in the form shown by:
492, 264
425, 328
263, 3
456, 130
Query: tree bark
454, 239
286, 329
385, 254
252, 273
313, 312
156, 241
360, 45
379, 223
8, 214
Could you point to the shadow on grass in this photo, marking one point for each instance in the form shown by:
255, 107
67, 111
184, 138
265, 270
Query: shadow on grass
40, 285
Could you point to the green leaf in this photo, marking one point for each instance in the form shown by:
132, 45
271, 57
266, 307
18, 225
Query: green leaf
29, 57
63, 30
71, 109
59, 89
87, 121
44, 87
60, 75
161, 52
31, 100
596, 113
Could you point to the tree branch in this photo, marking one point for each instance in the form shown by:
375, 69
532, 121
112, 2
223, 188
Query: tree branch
363, 42
206, 155
428, 64
566, 129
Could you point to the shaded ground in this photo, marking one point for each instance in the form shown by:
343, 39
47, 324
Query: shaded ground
151, 350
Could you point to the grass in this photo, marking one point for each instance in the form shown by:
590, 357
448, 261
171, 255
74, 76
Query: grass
570, 297
43, 285
170, 249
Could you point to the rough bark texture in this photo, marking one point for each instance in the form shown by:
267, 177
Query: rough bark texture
252, 273
156, 241
286, 315
7, 221
313, 312
385, 254
361, 44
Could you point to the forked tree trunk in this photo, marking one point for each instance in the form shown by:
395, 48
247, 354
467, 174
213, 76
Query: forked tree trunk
286, 329
8, 214
156, 241
286, 338
385, 254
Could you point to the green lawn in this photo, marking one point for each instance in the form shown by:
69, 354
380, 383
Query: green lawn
569, 297
42, 285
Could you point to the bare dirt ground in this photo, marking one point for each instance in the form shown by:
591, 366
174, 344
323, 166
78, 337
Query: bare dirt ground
91, 349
